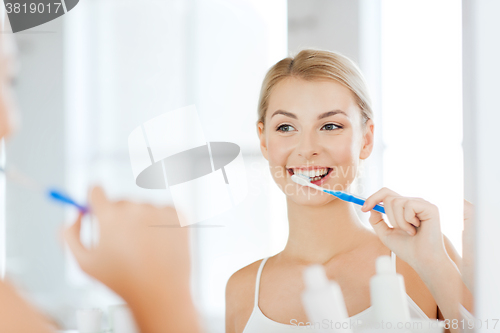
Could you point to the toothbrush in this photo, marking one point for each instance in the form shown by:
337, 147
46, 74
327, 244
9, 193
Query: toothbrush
306, 181
52, 193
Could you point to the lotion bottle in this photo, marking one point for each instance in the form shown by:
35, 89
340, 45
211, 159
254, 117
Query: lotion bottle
388, 293
323, 301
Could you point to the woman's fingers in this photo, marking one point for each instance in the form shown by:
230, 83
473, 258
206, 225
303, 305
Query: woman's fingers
381, 228
389, 211
98, 200
377, 197
398, 206
386, 196
72, 236
394, 206
409, 214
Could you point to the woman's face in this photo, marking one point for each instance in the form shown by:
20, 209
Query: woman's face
314, 126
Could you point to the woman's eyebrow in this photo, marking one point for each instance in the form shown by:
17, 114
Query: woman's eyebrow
321, 116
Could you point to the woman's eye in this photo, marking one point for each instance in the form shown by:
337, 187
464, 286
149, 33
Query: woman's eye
283, 126
330, 128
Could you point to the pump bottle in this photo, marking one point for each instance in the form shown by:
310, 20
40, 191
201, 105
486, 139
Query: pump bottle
388, 293
323, 302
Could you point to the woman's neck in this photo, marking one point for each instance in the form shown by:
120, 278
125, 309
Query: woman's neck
320, 233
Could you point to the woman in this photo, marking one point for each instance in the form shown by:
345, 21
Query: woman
147, 267
315, 118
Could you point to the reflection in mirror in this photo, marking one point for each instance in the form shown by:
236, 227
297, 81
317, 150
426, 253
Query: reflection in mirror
102, 77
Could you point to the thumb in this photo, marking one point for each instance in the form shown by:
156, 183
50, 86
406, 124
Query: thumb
98, 200
377, 221
72, 237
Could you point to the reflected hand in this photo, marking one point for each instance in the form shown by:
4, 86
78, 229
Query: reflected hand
143, 256
416, 233
131, 252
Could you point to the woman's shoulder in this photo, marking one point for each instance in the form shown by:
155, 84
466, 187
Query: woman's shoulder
240, 289
243, 280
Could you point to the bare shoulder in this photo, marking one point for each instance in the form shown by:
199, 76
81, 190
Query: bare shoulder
241, 280
240, 290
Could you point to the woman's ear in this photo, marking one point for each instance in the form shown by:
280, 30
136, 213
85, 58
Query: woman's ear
262, 138
368, 140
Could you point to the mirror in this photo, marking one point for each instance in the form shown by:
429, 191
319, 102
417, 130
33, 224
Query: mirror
88, 79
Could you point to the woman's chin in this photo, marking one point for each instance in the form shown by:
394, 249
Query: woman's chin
312, 202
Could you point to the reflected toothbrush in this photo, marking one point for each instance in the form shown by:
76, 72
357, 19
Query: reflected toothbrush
52, 193
306, 181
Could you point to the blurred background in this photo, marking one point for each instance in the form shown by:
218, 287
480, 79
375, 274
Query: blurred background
90, 77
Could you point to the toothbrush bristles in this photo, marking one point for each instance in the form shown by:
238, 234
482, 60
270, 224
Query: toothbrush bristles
304, 177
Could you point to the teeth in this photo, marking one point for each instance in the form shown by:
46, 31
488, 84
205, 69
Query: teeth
312, 173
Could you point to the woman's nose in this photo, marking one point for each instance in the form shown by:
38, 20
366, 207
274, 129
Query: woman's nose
308, 146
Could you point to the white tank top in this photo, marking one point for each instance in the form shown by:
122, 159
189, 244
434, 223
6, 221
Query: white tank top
258, 322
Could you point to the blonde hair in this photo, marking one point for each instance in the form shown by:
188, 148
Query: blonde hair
310, 64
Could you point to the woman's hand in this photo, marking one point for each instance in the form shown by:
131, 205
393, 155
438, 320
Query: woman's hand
142, 255
136, 242
416, 234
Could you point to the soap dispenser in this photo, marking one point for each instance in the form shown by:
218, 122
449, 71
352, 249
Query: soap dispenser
388, 293
323, 302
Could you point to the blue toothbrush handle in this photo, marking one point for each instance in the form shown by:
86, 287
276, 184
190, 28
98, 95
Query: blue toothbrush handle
361, 202
354, 199
379, 209
61, 197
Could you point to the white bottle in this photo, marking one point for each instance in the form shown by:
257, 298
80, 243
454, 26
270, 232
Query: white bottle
89, 320
121, 319
323, 302
388, 293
